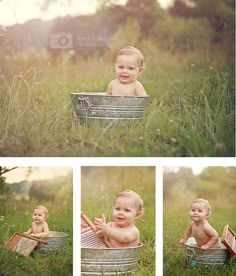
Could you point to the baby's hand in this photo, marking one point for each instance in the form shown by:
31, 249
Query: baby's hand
100, 225
182, 241
205, 247
36, 235
98, 222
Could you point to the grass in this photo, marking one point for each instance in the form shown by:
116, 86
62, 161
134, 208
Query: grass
191, 110
141, 180
175, 223
18, 219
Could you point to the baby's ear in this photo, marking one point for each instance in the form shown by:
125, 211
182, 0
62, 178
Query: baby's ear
141, 69
138, 215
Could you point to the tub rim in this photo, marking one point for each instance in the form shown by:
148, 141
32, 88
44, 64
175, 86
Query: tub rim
113, 248
66, 235
103, 94
222, 246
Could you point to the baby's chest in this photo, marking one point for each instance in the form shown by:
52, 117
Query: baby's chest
127, 89
37, 228
198, 231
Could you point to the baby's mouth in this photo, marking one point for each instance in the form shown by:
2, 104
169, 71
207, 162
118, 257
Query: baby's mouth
124, 77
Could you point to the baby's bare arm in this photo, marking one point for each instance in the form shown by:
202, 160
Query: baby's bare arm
211, 232
30, 231
187, 234
139, 90
119, 235
109, 89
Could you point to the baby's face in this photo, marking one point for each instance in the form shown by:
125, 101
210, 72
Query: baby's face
127, 68
39, 216
198, 211
124, 211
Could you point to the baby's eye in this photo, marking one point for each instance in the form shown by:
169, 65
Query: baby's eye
121, 67
117, 208
127, 210
131, 68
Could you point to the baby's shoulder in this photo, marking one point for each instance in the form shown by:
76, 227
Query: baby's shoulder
113, 82
138, 84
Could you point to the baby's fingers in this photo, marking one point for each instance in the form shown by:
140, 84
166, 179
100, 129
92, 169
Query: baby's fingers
98, 233
103, 218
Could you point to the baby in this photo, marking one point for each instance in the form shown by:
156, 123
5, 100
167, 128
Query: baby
121, 231
204, 234
129, 64
39, 227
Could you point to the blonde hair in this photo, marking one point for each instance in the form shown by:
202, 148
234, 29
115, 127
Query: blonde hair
45, 210
137, 198
206, 202
130, 50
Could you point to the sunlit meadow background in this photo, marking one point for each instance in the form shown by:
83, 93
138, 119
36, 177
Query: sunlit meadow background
100, 185
181, 186
16, 207
189, 75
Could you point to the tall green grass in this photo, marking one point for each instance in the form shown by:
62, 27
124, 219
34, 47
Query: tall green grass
98, 190
175, 223
18, 218
191, 110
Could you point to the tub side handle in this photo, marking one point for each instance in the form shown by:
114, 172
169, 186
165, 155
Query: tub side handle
190, 251
83, 102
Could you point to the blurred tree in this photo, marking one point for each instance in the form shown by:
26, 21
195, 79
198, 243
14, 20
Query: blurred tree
182, 34
221, 14
127, 34
4, 190
3, 187
47, 190
147, 12
171, 178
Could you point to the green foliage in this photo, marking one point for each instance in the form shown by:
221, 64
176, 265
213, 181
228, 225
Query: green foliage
100, 185
175, 223
127, 34
180, 34
213, 183
191, 109
18, 219
51, 189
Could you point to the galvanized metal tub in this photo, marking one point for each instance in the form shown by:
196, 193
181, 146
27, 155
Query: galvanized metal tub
56, 241
99, 107
195, 256
109, 261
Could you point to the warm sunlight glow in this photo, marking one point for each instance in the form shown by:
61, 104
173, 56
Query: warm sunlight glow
22, 173
20, 11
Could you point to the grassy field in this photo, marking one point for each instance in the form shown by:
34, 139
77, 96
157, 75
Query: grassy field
191, 110
101, 201
175, 223
18, 219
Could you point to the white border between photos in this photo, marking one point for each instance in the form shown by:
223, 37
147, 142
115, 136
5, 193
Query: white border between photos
76, 164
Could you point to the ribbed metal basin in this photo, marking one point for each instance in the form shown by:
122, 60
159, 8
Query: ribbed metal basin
56, 240
98, 107
109, 261
195, 257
